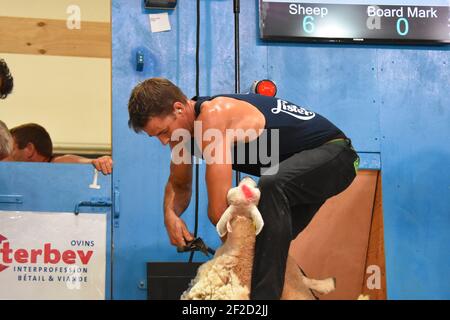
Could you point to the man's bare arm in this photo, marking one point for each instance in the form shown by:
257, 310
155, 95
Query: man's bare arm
176, 199
218, 180
103, 164
178, 189
219, 174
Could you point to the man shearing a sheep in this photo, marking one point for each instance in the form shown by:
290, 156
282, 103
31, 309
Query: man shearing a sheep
314, 161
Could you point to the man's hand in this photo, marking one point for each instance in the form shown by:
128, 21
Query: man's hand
103, 164
177, 230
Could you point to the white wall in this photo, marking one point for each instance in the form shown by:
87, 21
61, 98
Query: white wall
69, 96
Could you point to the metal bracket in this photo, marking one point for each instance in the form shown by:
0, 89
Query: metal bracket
95, 202
11, 198
116, 207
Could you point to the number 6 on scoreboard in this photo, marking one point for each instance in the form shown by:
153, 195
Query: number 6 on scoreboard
308, 25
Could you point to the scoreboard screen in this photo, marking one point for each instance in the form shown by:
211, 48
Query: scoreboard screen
398, 21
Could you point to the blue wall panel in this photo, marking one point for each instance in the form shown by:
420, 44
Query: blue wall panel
390, 100
50, 187
142, 164
337, 82
415, 123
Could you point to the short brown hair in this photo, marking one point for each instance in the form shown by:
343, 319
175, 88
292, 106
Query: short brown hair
35, 134
150, 98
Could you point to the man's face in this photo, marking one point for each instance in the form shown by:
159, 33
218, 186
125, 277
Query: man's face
19, 154
162, 127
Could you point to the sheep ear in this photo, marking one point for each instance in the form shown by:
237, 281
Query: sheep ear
257, 219
221, 226
247, 192
249, 181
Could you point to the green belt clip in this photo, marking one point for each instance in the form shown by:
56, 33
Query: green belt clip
356, 164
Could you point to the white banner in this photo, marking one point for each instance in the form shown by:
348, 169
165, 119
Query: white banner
52, 255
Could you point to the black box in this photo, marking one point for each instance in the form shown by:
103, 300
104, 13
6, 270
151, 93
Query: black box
160, 4
168, 280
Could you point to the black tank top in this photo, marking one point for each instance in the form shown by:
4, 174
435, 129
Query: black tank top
298, 129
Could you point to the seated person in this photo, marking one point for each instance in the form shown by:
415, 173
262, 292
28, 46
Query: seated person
6, 143
32, 143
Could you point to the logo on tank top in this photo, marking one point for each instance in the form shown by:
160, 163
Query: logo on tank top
293, 110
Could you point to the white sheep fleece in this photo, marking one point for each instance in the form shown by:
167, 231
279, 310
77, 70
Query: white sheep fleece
216, 280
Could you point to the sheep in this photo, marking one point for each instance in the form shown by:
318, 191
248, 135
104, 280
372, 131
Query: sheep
228, 275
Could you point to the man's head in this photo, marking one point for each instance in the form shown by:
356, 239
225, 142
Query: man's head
6, 80
156, 106
32, 143
6, 141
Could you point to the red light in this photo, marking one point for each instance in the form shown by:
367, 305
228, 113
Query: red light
266, 88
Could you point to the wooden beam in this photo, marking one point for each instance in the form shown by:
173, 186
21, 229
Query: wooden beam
52, 37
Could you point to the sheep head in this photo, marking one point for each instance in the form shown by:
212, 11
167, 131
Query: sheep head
242, 200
